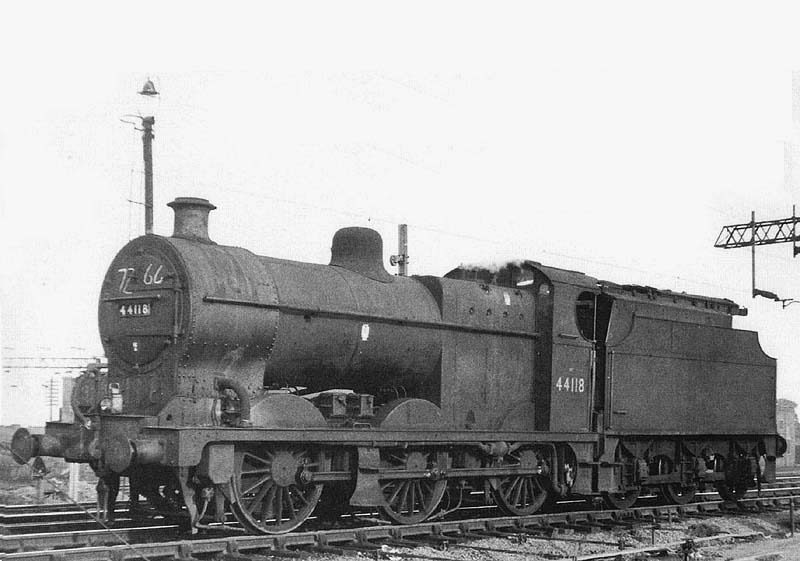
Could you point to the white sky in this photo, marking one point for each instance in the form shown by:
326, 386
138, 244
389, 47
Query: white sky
615, 138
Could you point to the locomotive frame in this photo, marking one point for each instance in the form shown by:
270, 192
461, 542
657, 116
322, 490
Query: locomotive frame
521, 384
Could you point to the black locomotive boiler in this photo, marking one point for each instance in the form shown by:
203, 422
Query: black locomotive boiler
275, 388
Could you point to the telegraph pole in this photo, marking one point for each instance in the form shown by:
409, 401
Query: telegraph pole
50, 398
147, 149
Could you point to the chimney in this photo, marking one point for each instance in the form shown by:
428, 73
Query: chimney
191, 218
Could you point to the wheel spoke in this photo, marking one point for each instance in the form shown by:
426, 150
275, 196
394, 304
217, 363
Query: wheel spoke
518, 486
404, 500
266, 507
259, 497
413, 502
536, 488
505, 488
523, 497
290, 503
257, 483
398, 487
278, 505
525, 492
252, 471
420, 494
258, 458
298, 492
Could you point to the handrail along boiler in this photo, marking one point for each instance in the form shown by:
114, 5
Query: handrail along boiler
276, 388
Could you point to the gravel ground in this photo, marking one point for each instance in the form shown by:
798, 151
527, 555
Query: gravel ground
773, 546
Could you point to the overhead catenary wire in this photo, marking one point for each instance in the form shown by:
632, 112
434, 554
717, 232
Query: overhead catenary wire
130, 206
377, 218
483, 239
185, 105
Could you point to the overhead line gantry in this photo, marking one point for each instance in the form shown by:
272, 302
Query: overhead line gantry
764, 232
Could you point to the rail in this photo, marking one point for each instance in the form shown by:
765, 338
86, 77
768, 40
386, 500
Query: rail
90, 545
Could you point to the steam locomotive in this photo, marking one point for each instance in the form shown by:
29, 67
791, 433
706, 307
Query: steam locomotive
274, 388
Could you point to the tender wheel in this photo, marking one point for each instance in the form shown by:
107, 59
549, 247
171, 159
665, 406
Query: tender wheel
270, 487
731, 492
521, 495
728, 490
679, 494
673, 493
625, 499
410, 501
621, 501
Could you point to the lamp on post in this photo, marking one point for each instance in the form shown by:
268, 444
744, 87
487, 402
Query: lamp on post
145, 116
148, 93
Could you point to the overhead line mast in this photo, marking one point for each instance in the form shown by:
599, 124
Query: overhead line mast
765, 232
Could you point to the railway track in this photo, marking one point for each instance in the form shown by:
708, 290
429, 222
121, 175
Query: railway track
58, 518
372, 539
161, 540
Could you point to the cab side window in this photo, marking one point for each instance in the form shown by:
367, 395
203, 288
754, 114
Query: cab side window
592, 314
